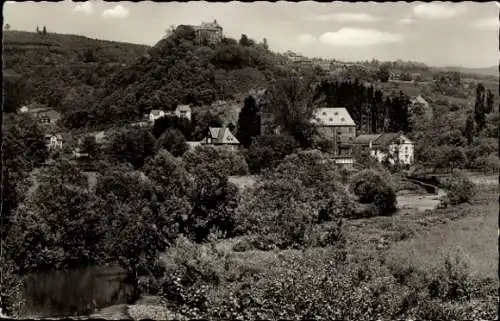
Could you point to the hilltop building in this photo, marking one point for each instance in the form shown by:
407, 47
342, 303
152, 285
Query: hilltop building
208, 32
222, 138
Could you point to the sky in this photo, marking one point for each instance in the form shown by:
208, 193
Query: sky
462, 34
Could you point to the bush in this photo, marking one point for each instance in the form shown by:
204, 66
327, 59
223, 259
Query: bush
174, 141
371, 188
267, 151
223, 161
460, 188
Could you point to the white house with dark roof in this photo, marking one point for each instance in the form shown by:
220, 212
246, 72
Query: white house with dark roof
221, 137
393, 147
183, 111
336, 125
54, 141
420, 106
156, 114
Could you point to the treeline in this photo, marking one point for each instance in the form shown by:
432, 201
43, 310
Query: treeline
371, 111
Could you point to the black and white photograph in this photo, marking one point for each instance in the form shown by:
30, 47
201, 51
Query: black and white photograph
250, 160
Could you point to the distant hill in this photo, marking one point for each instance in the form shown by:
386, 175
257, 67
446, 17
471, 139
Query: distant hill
489, 71
52, 64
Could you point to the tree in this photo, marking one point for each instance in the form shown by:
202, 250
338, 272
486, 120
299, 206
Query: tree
59, 226
245, 41
172, 122
479, 107
37, 29
267, 151
133, 145
44, 31
14, 91
248, 122
291, 106
490, 99
173, 141
7, 27
371, 188
469, 129
90, 146
214, 203
383, 73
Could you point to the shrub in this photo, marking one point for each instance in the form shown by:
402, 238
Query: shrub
267, 151
223, 161
460, 188
174, 141
371, 188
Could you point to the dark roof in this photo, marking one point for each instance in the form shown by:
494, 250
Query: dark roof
366, 139
385, 139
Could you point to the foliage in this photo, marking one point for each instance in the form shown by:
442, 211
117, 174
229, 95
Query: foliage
13, 87
23, 149
133, 145
266, 151
248, 122
383, 73
172, 122
291, 106
201, 121
223, 161
370, 187
214, 202
174, 141
460, 188
169, 174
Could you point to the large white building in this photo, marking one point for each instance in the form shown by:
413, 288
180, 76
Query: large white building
395, 148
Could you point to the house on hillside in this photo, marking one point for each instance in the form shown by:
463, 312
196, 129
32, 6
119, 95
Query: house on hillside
54, 141
208, 32
183, 111
221, 137
420, 106
155, 114
337, 126
44, 115
393, 147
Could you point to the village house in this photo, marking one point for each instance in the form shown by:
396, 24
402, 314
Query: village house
155, 114
54, 141
391, 147
44, 115
183, 111
221, 137
208, 32
337, 126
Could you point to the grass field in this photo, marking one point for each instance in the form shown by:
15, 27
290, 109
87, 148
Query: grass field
473, 233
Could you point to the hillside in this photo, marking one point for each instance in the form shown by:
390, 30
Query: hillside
488, 72
178, 71
52, 64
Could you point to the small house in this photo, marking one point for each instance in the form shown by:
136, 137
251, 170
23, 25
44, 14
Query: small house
393, 147
221, 137
183, 111
54, 141
156, 114
420, 106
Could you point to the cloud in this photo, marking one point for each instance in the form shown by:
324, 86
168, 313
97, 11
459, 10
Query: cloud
306, 38
344, 17
407, 20
84, 7
118, 12
351, 37
438, 10
487, 24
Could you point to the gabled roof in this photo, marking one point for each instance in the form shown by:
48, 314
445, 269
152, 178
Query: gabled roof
366, 139
419, 99
387, 139
185, 108
156, 112
333, 116
220, 135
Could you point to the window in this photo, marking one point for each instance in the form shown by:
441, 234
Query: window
342, 119
351, 130
324, 113
336, 113
331, 119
